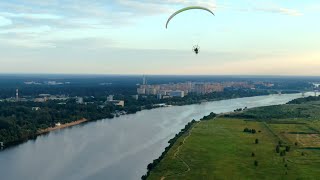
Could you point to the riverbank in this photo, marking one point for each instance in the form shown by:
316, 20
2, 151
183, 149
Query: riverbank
186, 131
42, 132
62, 126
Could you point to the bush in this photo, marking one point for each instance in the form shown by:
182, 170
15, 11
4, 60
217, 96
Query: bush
287, 148
283, 153
253, 131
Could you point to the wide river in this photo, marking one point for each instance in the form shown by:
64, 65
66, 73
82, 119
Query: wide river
115, 149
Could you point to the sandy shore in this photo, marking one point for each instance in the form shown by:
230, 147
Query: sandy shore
42, 131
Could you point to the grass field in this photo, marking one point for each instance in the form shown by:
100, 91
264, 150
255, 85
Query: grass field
219, 149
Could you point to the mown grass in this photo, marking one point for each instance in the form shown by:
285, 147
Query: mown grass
219, 149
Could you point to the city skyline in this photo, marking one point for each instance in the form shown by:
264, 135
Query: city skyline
129, 37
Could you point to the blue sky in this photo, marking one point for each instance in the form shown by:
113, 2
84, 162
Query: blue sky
129, 37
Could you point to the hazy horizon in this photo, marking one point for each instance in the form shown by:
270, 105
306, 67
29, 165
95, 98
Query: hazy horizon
129, 37
165, 75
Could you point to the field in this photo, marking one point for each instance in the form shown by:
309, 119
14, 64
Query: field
220, 149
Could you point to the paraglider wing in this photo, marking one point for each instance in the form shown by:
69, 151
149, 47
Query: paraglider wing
185, 9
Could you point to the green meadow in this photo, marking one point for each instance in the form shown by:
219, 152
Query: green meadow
279, 148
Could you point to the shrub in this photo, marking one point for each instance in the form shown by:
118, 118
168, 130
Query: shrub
283, 153
287, 148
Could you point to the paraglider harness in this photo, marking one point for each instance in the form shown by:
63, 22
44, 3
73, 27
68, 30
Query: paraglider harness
196, 49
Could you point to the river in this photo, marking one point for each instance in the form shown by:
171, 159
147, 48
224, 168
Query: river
119, 148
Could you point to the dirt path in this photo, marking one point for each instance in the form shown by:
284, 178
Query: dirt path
175, 155
184, 140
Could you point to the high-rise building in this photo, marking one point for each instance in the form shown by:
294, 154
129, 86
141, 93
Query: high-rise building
110, 98
136, 97
144, 80
79, 100
177, 94
17, 94
200, 88
141, 91
151, 91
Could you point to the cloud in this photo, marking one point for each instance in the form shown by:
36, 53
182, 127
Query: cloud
290, 12
261, 6
313, 7
42, 16
5, 21
70, 19
289, 64
44, 23
36, 30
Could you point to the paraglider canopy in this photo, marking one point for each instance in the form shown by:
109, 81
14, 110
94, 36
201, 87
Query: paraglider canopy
186, 9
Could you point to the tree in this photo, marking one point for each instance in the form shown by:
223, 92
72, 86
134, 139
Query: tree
287, 148
252, 154
150, 166
144, 177
256, 163
253, 131
278, 149
257, 141
283, 153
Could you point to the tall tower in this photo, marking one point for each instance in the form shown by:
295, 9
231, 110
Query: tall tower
17, 94
144, 80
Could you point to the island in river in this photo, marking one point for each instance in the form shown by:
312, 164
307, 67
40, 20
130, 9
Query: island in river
280, 141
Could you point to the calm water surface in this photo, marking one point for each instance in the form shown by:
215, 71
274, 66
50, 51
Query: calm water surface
116, 149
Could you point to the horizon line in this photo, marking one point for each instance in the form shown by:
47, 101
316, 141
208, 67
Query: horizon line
218, 75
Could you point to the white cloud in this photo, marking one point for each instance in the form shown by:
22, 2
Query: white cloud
32, 16
5, 21
289, 64
35, 20
28, 30
286, 11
